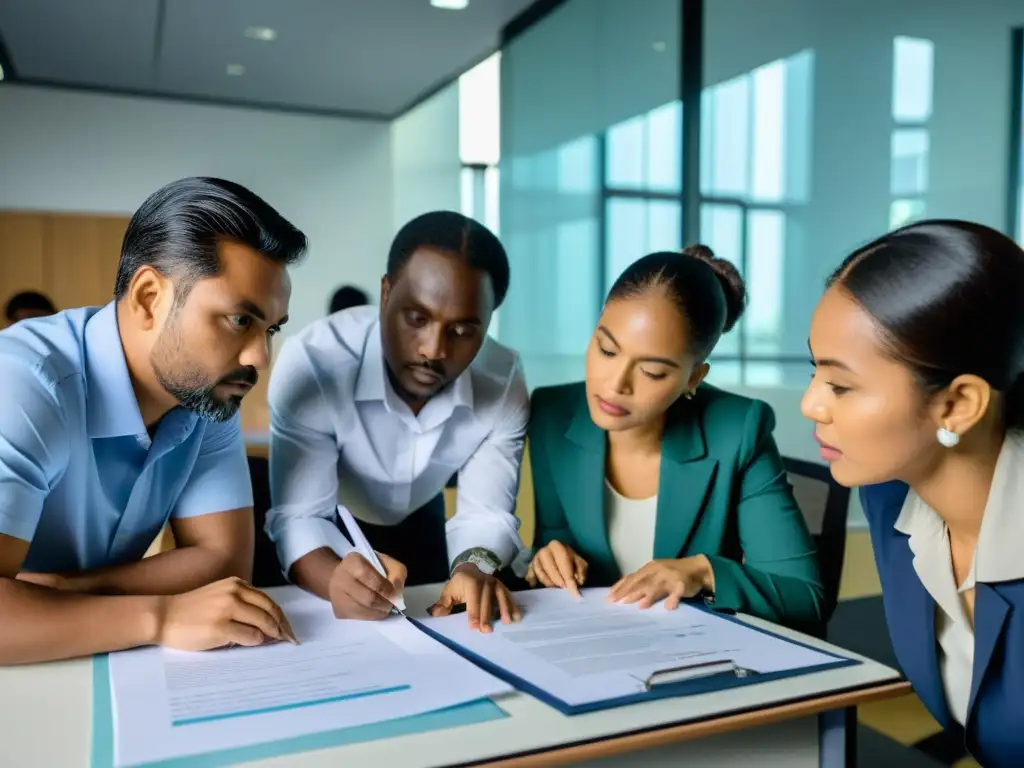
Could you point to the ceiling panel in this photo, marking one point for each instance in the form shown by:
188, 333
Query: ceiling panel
109, 42
357, 56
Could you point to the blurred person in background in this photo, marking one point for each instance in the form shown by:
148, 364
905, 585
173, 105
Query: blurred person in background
26, 305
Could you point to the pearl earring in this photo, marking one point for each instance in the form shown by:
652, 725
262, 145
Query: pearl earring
947, 438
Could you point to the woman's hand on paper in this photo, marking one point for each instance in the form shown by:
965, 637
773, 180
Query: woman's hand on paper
481, 593
358, 591
227, 612
668, 580
556, 565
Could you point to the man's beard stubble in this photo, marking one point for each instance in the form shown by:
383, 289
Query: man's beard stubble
185, 380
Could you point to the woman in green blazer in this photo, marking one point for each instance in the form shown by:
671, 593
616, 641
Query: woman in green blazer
647, 481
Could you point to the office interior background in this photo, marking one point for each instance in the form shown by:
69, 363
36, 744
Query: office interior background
586, 133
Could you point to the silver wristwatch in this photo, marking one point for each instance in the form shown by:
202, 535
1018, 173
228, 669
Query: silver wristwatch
485, 560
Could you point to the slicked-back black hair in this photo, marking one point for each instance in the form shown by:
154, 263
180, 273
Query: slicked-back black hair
946, 295
177, 230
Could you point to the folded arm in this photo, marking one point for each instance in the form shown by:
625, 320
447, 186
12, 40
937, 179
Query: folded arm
42, 624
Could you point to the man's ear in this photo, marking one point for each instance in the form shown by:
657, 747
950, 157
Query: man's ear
385, 289
964, 403
149, 298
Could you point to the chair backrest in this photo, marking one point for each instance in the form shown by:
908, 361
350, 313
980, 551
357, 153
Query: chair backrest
825, 505
266, 571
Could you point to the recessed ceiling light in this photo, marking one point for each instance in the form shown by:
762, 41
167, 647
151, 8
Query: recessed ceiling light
265, 34
659, 46
236, 70
451, 5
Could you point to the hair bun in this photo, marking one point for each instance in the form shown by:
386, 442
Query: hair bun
732, 283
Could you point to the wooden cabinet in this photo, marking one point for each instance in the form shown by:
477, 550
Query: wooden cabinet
71, 258
22, 248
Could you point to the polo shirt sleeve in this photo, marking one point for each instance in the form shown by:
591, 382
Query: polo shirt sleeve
219, 480
34, 443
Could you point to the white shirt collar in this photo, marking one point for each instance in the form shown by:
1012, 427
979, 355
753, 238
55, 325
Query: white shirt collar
372, 383
1002, 525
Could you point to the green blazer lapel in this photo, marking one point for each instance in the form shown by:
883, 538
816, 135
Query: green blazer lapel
580, 485
684, 482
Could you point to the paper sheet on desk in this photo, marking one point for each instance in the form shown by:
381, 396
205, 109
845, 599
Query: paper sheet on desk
168, 704
588, 651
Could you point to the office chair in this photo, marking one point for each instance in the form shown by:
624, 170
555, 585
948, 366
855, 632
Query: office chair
266, 571
825, 505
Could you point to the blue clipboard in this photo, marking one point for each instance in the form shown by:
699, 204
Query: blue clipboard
480, 711
717, 679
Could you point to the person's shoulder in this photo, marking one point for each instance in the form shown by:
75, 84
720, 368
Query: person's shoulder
732, 424
333, 341
51, 348
496, 361
727, 411
555, 406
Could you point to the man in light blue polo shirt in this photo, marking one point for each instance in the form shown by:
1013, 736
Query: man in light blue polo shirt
115, 420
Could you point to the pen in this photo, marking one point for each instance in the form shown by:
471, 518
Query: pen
363, 548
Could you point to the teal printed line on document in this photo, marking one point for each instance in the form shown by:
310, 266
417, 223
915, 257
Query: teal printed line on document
297, 705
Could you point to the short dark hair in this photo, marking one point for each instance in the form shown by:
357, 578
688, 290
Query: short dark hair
946, 296
28, 300
454, 233
178, 228
347, 296
708, 291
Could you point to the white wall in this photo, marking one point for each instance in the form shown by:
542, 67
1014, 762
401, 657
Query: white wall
67, 151
425, 159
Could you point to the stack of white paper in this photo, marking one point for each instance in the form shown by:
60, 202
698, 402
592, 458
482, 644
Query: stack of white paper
169, 704
590, 651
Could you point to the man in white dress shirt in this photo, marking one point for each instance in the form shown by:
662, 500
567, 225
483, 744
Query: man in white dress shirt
377, 409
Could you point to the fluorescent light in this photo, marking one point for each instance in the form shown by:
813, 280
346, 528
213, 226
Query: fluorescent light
1, 73
266, 34
659, 46
236, 70
451, 5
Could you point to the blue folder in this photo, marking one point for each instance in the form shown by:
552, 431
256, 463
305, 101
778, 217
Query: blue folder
707, 684
480, 711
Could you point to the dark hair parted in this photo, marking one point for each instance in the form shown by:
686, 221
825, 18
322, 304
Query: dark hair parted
708, 291
453, 233
178, 228
28, 301
946, 296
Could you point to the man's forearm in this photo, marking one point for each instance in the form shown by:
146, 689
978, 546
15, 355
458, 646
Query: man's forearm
313, 572
41, 624
169, 573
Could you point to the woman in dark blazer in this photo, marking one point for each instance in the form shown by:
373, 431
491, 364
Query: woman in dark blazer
659, 486
918, 397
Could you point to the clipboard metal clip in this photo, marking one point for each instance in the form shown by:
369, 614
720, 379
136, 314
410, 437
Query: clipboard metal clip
694, 671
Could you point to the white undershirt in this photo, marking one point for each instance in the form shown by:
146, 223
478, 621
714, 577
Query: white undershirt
630, 529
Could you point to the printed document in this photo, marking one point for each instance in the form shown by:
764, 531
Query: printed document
588, 651
169, 704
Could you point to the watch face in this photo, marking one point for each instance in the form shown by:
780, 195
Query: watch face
483, 565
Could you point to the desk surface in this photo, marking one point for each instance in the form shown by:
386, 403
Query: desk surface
45, 718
